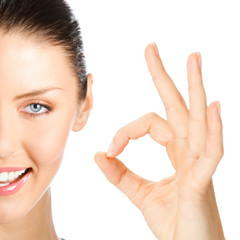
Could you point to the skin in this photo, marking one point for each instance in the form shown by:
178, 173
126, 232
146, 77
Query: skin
181, 206
26, 141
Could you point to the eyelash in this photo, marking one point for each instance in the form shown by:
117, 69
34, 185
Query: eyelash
49, 109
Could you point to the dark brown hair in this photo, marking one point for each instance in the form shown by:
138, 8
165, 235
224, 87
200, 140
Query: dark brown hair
48, 21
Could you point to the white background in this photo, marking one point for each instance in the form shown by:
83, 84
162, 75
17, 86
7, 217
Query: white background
115, 33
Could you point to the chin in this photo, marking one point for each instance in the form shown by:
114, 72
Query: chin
10, 215
13, 210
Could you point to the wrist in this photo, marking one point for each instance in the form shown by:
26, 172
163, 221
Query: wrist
199, 219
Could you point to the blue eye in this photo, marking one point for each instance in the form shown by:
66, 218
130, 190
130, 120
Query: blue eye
37, 109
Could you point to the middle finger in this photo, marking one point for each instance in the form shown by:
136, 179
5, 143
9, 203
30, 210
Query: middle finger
197, 106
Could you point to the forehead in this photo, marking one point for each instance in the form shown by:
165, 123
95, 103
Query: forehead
23, 61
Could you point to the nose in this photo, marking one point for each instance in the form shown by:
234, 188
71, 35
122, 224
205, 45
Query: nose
8, 135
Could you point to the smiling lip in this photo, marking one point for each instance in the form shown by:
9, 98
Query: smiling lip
15, 186
12, 169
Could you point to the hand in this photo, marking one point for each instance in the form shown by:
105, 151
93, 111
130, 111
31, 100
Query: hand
182, 206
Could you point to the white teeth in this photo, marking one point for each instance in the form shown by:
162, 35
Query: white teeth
9, 177
4, 184
3, 177
16, 175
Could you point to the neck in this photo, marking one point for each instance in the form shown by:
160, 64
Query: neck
37, 224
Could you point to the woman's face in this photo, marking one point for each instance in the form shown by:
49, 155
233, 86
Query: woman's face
33, 127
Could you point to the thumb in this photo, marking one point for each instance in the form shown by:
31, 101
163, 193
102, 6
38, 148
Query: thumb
132, 185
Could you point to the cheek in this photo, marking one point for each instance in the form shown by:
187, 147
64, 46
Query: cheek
45, 140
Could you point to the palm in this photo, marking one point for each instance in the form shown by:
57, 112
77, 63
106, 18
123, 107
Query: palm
160, 206
193, 141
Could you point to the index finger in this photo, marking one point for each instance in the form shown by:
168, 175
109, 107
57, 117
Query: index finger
151, 124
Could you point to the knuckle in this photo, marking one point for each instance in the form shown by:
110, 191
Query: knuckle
221, 152
121, 177
151, 115
182, 101
178, 103
168, 106
137, 196
192, 118
120, 132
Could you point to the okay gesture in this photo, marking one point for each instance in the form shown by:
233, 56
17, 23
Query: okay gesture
181, 206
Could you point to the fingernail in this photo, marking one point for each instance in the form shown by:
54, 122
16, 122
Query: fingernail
156, 49
199, 60
110, 150
219, 108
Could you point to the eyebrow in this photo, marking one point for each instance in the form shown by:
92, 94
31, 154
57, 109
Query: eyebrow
35, 93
